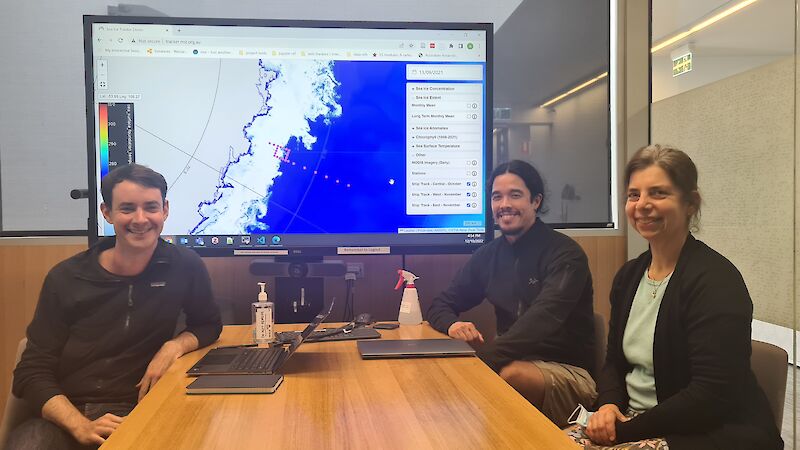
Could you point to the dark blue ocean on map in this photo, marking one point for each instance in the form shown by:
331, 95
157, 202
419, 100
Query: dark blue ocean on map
364, 149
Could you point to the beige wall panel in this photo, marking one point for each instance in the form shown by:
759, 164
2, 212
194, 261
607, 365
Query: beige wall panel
22, 271
739, 132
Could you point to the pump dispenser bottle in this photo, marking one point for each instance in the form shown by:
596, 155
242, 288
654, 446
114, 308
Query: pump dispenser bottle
410, 313
263, 318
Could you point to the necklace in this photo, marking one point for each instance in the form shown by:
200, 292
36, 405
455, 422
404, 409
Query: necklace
656, 284
655, 287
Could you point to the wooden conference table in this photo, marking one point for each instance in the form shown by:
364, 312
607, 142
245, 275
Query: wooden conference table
331, 398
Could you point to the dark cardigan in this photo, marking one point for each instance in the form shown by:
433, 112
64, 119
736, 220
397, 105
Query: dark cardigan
707, 394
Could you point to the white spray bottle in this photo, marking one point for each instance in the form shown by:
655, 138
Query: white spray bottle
410, 313
263, 318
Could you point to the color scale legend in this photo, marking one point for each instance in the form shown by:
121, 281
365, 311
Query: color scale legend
116, 140
103, 126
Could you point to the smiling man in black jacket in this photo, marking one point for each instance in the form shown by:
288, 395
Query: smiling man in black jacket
539, 283
104, 329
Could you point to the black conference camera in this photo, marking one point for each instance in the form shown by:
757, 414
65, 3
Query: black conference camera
298, 269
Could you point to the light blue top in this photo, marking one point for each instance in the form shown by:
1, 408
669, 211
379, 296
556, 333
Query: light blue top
637, 343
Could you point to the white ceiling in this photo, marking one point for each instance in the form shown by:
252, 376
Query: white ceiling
495, 11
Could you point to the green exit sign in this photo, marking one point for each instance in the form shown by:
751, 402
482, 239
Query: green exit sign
682, 64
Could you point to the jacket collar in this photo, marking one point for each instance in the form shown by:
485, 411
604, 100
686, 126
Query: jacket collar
640, 265
643, 261
688, 248
535, 237
90, 268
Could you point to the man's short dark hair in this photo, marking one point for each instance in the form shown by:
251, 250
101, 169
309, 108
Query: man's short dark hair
135, 173
528, 173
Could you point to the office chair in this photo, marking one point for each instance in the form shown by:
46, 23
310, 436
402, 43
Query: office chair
770, 364
17, 410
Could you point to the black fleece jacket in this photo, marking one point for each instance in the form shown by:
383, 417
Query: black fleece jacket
94, 333
541, 290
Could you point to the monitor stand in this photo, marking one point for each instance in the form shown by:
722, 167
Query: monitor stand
299, 284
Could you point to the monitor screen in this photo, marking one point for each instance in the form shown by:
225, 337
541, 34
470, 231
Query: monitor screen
288, 138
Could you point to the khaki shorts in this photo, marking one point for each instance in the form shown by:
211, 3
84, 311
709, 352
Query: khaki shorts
565, 387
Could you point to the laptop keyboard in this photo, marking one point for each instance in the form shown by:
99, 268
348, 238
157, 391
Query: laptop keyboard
257, 359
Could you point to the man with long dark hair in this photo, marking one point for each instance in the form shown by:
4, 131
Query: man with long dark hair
539, 283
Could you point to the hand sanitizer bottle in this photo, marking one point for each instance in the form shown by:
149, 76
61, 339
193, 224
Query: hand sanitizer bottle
410, 313
263, 318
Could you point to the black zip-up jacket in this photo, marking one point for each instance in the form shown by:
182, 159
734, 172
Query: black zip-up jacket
94, 333
541, 289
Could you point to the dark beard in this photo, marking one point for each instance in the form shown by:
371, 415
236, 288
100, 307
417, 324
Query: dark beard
515, 232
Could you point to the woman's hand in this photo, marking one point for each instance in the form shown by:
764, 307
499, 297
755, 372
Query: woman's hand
602, 428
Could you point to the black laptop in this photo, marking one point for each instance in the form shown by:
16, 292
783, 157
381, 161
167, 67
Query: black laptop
252, 360
414, 348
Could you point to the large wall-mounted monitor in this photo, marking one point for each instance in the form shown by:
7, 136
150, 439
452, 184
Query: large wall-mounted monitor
289, 138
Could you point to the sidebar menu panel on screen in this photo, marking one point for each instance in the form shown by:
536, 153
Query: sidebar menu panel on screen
445, 134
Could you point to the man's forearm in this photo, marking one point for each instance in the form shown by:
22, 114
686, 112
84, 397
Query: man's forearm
63, 413
186, 342
169, 353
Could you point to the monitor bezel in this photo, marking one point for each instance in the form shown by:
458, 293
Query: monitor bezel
298, 251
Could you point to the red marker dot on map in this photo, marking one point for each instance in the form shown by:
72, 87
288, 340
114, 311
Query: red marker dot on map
283, 153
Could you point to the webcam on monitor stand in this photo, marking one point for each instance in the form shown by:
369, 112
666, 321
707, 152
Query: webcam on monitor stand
299, 285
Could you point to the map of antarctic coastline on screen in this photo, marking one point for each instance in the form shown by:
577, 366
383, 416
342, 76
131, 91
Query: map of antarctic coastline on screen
259, 144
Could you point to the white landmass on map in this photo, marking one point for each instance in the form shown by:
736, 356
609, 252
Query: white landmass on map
293, 93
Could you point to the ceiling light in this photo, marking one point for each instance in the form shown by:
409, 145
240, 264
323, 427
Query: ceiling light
574, 90
669, 41
699, 26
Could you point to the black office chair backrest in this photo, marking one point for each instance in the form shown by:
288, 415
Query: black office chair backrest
17, 410
770, 364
